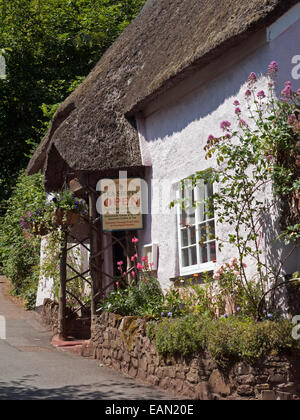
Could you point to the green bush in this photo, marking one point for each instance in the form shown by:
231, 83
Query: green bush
19, 255
226, 340
142, 299
146, 299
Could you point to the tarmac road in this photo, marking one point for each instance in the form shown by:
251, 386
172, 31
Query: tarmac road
30, 369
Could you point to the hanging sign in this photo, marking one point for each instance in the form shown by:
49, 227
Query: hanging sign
120, 204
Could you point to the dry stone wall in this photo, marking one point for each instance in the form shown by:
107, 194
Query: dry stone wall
122, 344
79, 328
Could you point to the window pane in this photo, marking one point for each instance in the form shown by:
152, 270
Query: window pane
193, 255
188, 237
213, 253
185, 257
201, 204
203, 232
211, 233
203, 254
184, 238
210, 190
208, 208
189, 256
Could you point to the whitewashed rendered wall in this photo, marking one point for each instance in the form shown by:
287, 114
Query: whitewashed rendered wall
46, 284
174, 129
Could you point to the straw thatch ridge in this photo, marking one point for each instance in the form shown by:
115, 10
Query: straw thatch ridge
168, 40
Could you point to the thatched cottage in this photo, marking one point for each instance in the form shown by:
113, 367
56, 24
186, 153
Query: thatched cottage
152, 100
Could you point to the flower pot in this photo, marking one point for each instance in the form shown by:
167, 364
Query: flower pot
62, 217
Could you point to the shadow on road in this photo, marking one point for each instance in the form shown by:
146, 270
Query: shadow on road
22, 390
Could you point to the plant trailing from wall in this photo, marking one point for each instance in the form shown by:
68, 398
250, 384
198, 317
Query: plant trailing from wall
261, 155
227, 340
19, 256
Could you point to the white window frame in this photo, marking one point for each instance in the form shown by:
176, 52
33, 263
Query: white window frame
198, 268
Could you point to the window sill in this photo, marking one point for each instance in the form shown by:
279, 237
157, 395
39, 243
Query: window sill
198, 269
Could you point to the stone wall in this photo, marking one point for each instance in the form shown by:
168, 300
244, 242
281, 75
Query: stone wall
77, 327
122, 343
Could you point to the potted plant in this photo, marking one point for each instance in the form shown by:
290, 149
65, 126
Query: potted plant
35, 223
66, 209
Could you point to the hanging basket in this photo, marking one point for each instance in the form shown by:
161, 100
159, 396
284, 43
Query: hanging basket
62, 217
36, 229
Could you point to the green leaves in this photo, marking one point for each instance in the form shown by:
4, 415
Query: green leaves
49, 47
18, 255
226, 340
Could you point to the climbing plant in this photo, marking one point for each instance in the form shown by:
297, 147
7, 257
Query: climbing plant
257, 155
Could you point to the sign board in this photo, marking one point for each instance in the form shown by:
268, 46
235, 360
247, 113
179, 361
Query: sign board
121, 204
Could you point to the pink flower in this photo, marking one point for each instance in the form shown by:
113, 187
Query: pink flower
270, 157
229, 136
292, 119
216, 276
134, 257
145, 259
261, 94
133, 274
236, 103
298, 92
225, 125
236, 273
271, 84
287, 91
135, 240
252, 78
210, 138
273, 68
243, 123
248, 92
244, 265
120, 263
117, 283
139, 266
237, 111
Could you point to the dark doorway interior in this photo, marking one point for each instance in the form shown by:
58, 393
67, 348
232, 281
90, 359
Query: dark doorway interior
119, 253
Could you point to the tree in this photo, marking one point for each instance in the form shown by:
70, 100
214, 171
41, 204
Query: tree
50, 46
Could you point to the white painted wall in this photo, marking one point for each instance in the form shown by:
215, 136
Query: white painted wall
174, 129
46, 284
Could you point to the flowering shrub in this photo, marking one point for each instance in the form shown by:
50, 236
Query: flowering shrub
138, 293
263, 153
142, 299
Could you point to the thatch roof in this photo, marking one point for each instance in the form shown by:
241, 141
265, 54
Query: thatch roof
168, 40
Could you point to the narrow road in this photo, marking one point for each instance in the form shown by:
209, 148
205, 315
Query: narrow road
33, 370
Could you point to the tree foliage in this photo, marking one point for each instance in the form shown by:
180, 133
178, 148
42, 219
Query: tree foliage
19, 256
50, 46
